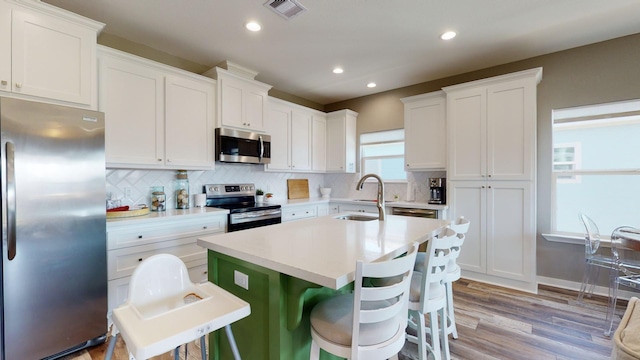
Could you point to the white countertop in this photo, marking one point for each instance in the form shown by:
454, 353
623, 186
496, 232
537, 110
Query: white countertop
154, 216
391, 203
323, 250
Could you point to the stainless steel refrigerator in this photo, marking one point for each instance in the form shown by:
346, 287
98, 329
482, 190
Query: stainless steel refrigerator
54, 261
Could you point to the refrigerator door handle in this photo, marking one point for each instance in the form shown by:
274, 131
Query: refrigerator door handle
11, 200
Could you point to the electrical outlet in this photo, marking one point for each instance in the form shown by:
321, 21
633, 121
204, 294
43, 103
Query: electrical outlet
127, 192
241, 279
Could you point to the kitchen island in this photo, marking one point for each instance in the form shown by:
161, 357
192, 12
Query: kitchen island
283, 270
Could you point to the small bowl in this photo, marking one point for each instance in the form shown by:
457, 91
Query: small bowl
325, 192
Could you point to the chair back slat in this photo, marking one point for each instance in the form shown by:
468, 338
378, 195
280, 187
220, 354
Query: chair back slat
380, 304
436, 261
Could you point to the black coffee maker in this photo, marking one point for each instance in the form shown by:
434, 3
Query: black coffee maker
437, 190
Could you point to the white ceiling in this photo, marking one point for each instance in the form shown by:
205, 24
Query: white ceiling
392, 43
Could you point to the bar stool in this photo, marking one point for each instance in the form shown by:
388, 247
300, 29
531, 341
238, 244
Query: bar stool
461, 227
165, 310
428, 297
368, 324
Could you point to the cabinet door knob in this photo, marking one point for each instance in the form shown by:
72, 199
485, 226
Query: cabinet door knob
159, 159
3, 82
139, 236
489, 175
205, 227
18, 85
168, 160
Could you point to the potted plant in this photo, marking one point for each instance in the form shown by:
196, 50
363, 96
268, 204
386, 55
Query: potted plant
259, 196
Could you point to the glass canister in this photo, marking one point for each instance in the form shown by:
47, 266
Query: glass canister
181, 187
158, 198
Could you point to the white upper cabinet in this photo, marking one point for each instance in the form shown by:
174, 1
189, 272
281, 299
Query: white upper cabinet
48, 54
156, 116
319, 143
301, 140
278, 126
132, 98
242, 102
491, 127
189, 122
341, 141
5, 47
291, 128
425, 132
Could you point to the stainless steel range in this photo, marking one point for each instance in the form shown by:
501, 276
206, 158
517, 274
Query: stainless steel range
244, 212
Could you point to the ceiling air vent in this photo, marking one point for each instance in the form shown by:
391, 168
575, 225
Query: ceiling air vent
286, 8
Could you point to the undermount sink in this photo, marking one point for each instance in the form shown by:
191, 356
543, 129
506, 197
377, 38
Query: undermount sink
356, 217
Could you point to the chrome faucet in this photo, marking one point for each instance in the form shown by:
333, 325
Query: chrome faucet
380, 202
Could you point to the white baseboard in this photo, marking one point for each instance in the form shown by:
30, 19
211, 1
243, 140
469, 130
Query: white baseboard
572, 285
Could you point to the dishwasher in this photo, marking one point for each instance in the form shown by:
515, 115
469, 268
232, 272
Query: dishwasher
425, 213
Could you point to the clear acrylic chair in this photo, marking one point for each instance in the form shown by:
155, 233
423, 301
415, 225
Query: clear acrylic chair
594, 261
625, 243
428, 297
165, 309
369, 323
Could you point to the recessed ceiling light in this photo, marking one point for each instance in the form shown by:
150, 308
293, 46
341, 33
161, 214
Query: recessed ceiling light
448, 35
338, 70
371, 85
253, 26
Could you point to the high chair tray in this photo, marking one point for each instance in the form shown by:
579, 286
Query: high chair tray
148, 336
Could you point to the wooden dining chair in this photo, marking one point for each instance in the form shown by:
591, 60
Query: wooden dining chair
368, 324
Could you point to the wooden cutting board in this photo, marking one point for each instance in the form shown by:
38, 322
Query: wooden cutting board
298, 188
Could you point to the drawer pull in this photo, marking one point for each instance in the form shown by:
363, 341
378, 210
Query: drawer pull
140, 259
139, 236
205, 227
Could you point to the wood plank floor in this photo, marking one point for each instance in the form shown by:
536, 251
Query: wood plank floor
497, 323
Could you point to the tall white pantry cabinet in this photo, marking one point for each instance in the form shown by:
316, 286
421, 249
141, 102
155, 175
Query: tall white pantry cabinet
491, 139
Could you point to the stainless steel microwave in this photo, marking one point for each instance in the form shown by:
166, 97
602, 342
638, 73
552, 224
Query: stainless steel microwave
238, 146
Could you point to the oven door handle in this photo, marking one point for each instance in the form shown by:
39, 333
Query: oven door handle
256, 214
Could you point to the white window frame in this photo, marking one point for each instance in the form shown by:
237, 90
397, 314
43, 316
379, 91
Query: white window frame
597, 115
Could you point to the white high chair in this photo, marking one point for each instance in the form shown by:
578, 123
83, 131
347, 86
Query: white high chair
165, 309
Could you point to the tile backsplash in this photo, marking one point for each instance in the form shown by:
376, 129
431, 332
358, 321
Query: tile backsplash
132, 186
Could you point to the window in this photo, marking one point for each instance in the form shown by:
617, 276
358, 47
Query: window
382, 153
596, 167
566, 157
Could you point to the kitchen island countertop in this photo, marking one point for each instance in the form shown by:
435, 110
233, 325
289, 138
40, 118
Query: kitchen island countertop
323, 250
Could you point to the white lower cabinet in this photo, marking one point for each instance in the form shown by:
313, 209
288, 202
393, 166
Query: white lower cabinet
500, 245
129, 242
358, 208
298, 212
